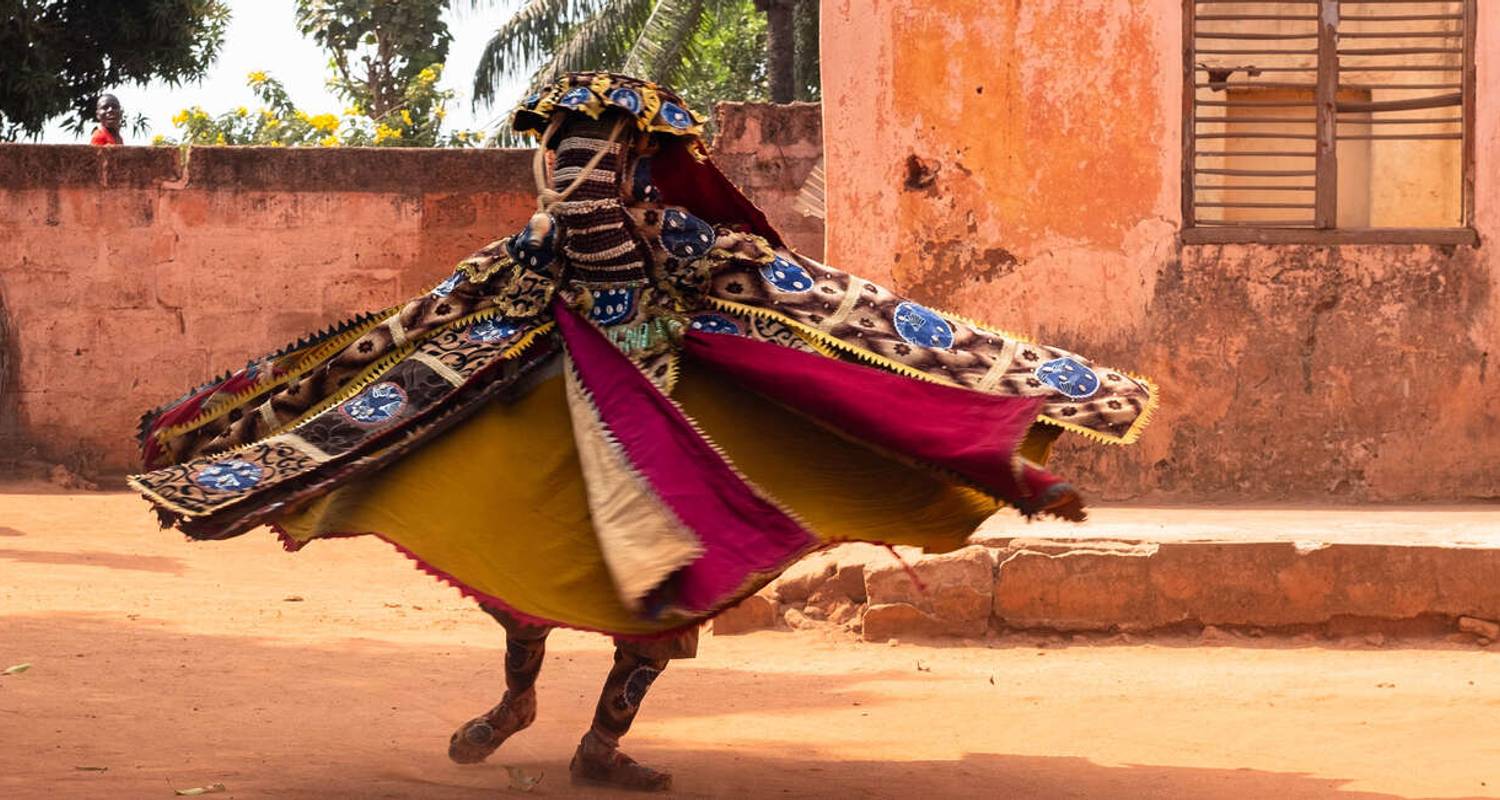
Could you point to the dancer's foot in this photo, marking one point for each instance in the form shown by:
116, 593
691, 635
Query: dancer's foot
597, 761
476, 739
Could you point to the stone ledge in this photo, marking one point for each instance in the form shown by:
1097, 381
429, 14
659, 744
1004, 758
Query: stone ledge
290, 169
1090, 586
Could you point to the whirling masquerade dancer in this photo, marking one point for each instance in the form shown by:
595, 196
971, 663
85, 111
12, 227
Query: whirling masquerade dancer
630, 415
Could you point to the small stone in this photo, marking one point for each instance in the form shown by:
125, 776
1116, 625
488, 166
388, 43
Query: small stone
842, 613
1482, 628
1376, 639
814, 612
804, 578
893, 641
1213, 633
754, 613
64, 478
796, 620
883, 621
845, 585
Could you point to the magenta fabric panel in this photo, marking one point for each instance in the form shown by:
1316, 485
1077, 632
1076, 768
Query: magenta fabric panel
971, 433
742, 533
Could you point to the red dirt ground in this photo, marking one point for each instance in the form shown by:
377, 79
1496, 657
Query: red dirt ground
339, 672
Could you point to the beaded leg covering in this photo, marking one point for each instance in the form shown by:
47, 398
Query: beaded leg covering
598, 758
476, 739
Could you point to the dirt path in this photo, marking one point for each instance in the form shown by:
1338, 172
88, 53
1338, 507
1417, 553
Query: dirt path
339, 672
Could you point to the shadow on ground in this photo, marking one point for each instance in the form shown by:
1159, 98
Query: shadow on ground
359, 719
94, 558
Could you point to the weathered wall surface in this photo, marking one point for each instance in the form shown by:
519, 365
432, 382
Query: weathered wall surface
769, 151
127, 276
1019, 163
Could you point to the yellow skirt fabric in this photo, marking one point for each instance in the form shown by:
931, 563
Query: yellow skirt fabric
498, 505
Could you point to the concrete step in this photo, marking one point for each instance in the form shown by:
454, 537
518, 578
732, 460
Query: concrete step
1150, 569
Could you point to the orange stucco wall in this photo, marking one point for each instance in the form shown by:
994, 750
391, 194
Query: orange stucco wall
129, 274
1019, 162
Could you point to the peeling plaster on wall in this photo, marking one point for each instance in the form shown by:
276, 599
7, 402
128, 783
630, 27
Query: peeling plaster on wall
1288, 372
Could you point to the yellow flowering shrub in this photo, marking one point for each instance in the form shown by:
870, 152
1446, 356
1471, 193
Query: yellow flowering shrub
416, 120
384, 133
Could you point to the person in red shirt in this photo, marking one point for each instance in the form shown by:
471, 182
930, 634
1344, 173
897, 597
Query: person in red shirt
109, 114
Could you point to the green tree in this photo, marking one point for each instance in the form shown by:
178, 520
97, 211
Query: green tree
58, 56
735, 60
377, 47
385, 60
731, 62
685, 43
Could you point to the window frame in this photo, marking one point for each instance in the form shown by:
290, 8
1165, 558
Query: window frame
1325, 230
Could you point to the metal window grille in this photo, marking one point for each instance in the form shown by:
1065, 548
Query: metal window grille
1322, 120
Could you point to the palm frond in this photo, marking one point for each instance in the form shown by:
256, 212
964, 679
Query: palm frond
599, 42
663, 40
535, 29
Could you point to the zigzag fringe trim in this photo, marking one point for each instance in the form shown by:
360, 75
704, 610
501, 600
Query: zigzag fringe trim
369, 376
830, 344
321, 352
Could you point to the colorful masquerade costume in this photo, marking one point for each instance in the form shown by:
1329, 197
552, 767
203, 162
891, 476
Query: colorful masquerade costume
639, 409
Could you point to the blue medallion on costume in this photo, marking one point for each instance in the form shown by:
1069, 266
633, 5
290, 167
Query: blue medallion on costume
1069, 377
922, 326
494, 329
612, 306
530, 102
786, 276
628, 99
576, 97
448, 285
684, 235
676, 115
714, 323
375, 405
229, 475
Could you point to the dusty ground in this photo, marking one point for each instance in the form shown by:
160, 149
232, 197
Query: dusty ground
339, 672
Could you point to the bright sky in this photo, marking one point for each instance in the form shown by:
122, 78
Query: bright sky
263, 35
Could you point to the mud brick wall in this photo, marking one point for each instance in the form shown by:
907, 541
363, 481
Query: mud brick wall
769, 152
129, 274
1021, 163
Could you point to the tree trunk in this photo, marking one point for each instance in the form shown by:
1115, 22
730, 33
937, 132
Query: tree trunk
808, 70
781, 42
